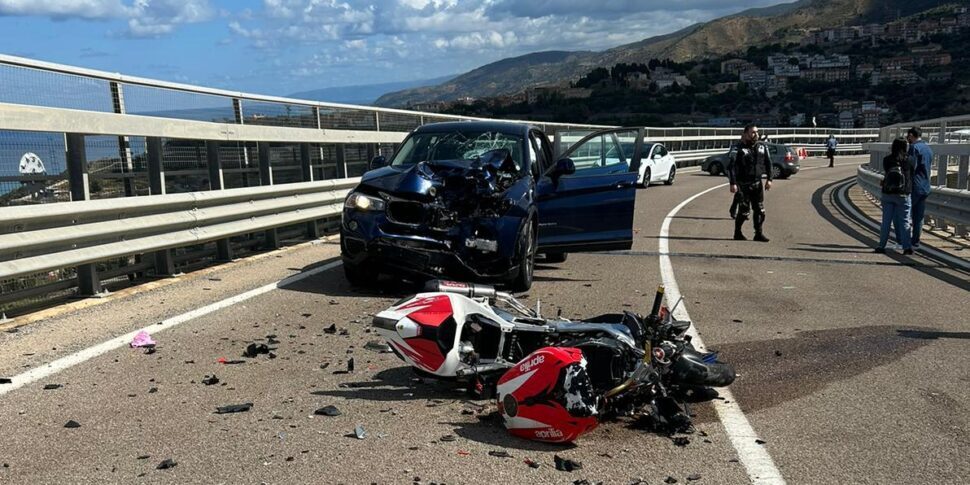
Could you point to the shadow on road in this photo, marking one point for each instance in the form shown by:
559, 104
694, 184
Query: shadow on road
933, 335
833, 248
773, 372
824, 200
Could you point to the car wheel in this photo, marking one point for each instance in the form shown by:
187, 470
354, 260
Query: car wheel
556, 257
776, 172
670, 176
646, 178
716, 168
527, 259
360, 274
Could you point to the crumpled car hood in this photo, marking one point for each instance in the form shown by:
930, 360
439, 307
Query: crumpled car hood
492, 173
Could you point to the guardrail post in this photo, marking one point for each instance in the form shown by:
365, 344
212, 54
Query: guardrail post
341, 161
164, 262
312, 232
88, 281
271, 239
124, 144
217, 182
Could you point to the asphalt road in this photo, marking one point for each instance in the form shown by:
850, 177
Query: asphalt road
853, 366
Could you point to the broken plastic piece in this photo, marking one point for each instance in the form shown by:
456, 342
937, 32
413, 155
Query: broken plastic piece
234, 408
5, 380
378, 346
327, 411
693, 477
360, 432
252, 350
670, 480
166, 464
531, 463
331, 329
51, 387
566, 465
500, 453
222, 360
350, 365
142, 339
681, 441
210, 380
72, 424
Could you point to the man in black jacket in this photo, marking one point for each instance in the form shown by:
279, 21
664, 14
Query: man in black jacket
744, 172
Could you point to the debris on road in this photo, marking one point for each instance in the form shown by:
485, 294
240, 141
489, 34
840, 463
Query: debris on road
448, 438
670, 479
681, 441
350, 365
693, 477
760, 442
360, 432
5, 380
253, 350
499, 454
332, 329
143, 339
51, 387
222, 360
234, 408
532, 464
72, 424
210, 380
330, 410
566, 465
378, 346
166, 464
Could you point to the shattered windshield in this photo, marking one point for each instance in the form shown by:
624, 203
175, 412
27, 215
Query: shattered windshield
456, 145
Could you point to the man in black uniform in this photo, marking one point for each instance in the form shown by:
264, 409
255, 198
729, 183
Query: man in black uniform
744, 172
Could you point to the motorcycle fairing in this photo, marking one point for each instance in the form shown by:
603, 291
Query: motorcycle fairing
548, 397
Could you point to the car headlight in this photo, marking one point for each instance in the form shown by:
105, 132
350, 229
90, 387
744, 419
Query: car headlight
363, 202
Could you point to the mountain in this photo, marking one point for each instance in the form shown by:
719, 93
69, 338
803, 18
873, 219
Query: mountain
365, 94
754, 27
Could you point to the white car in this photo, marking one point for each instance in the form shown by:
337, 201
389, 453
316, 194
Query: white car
657, 166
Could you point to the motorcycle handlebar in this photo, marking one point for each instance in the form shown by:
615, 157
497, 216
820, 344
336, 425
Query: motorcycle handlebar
657, 301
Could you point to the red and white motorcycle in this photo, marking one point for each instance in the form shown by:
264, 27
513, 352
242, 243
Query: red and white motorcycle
554, 379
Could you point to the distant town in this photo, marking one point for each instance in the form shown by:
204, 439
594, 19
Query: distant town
844, 77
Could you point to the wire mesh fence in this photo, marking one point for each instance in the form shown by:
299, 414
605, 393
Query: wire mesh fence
32, 168
286, 165
347, 119
185, 165
239, 165
171, 103
323, 160
399, 121
35, 87
278, 114
356, 158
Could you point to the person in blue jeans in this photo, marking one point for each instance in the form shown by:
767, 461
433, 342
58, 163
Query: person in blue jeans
897, 183
922, 157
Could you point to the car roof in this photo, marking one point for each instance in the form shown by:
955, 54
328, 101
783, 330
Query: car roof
506, 127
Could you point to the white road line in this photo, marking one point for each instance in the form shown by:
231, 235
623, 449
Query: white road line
89, 353
755, 458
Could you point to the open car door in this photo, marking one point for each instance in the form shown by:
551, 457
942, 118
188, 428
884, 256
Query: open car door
586, 198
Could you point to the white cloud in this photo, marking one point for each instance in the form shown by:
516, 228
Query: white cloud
145, 18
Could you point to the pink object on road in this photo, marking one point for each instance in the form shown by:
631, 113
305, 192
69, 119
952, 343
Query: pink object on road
142, 339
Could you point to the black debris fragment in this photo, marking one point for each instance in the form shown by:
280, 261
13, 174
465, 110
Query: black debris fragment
152, 390
210, 380
760, 442
778, 353
693, 477
328, 411
231, 362
252, 350
344, 332
737, 320
306, 315
360, 432
51, 387
670, 480
325, 365
149, 349
332, 329
378, 346
234, 408
5, 380
566, 465
166, 464
143, 457
681, 440
448, 438
72, 424
499, 454
350, 365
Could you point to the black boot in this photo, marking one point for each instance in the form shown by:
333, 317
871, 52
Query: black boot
739, 237
760, 237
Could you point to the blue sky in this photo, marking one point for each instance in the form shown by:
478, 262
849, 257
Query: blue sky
283, 46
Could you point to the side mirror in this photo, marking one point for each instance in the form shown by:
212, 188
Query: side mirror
378, 162
564, 166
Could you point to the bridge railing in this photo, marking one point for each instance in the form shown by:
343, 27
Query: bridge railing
143, 175
949, 203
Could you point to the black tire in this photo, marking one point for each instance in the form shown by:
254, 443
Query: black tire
556, 257
527, 245
716, 168
646, 178
670, 176
360, 274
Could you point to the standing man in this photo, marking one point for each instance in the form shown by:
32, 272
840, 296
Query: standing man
830, 145
922, 158
745, 172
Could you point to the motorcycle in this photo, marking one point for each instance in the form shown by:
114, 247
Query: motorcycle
554, 379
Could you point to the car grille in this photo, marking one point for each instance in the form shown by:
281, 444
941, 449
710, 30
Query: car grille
406, 212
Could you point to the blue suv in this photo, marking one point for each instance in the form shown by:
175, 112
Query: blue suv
479, 200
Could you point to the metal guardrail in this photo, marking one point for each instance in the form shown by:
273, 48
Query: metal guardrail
949, 204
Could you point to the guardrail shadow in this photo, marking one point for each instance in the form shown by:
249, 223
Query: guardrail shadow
824, 199
333, 283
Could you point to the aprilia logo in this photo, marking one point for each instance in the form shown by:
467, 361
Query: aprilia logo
548, 433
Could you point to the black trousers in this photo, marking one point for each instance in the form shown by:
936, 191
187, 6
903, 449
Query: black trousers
831, 154
752, 201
